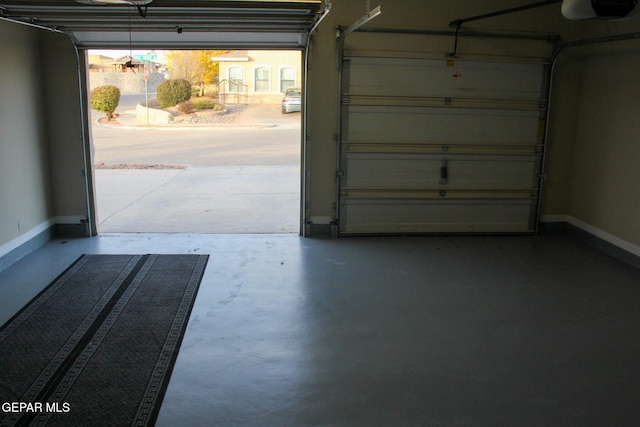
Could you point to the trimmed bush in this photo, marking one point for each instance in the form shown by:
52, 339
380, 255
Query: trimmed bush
172, 92
105, 99
205, 104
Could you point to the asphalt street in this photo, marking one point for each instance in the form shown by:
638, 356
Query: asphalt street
243, 177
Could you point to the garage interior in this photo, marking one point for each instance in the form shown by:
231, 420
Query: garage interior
469, 239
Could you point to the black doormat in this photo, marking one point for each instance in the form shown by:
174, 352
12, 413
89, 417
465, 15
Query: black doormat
97, 346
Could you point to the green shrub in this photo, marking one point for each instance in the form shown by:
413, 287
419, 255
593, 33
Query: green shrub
172, 92
105, 99
205, 104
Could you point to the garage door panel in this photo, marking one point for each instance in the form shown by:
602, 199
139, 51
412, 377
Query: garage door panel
444, 78
443, 125
427, 216
425, 171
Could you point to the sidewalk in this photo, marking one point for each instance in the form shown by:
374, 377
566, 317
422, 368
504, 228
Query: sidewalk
239, 116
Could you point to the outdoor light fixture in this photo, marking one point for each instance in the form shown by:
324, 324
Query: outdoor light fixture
127, 2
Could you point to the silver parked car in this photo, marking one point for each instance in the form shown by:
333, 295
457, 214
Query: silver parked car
292, 100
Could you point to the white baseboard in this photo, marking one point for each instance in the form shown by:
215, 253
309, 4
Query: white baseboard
37, 230
26, 237
71, 219
595, 231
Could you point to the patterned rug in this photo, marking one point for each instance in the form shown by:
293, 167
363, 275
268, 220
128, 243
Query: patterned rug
97, 346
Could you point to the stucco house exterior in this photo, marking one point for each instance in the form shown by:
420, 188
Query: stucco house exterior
100, 63
258, 76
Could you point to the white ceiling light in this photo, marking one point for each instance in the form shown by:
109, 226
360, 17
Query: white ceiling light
597, 9
128, 2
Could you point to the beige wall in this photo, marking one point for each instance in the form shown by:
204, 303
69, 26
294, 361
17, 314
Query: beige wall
594, 149
25, 190
604, 186
42, 171
65, 128
562, 129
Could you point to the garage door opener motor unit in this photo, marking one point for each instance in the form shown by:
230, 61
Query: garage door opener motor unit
598, 9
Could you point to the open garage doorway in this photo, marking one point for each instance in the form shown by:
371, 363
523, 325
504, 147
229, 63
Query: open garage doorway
225, 161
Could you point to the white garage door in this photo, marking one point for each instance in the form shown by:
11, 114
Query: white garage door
439, 145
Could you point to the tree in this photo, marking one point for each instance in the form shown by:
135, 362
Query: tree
184, 64
212, 68
196, 66
106, 99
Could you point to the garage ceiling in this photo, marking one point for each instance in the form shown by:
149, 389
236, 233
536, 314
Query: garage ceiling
173, 23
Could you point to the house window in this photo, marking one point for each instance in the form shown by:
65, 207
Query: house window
262, 79
236, 79
287, 78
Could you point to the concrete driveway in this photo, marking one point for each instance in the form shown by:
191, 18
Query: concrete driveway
231, 179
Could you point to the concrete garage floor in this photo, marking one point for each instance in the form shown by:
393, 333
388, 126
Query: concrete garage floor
413, 331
